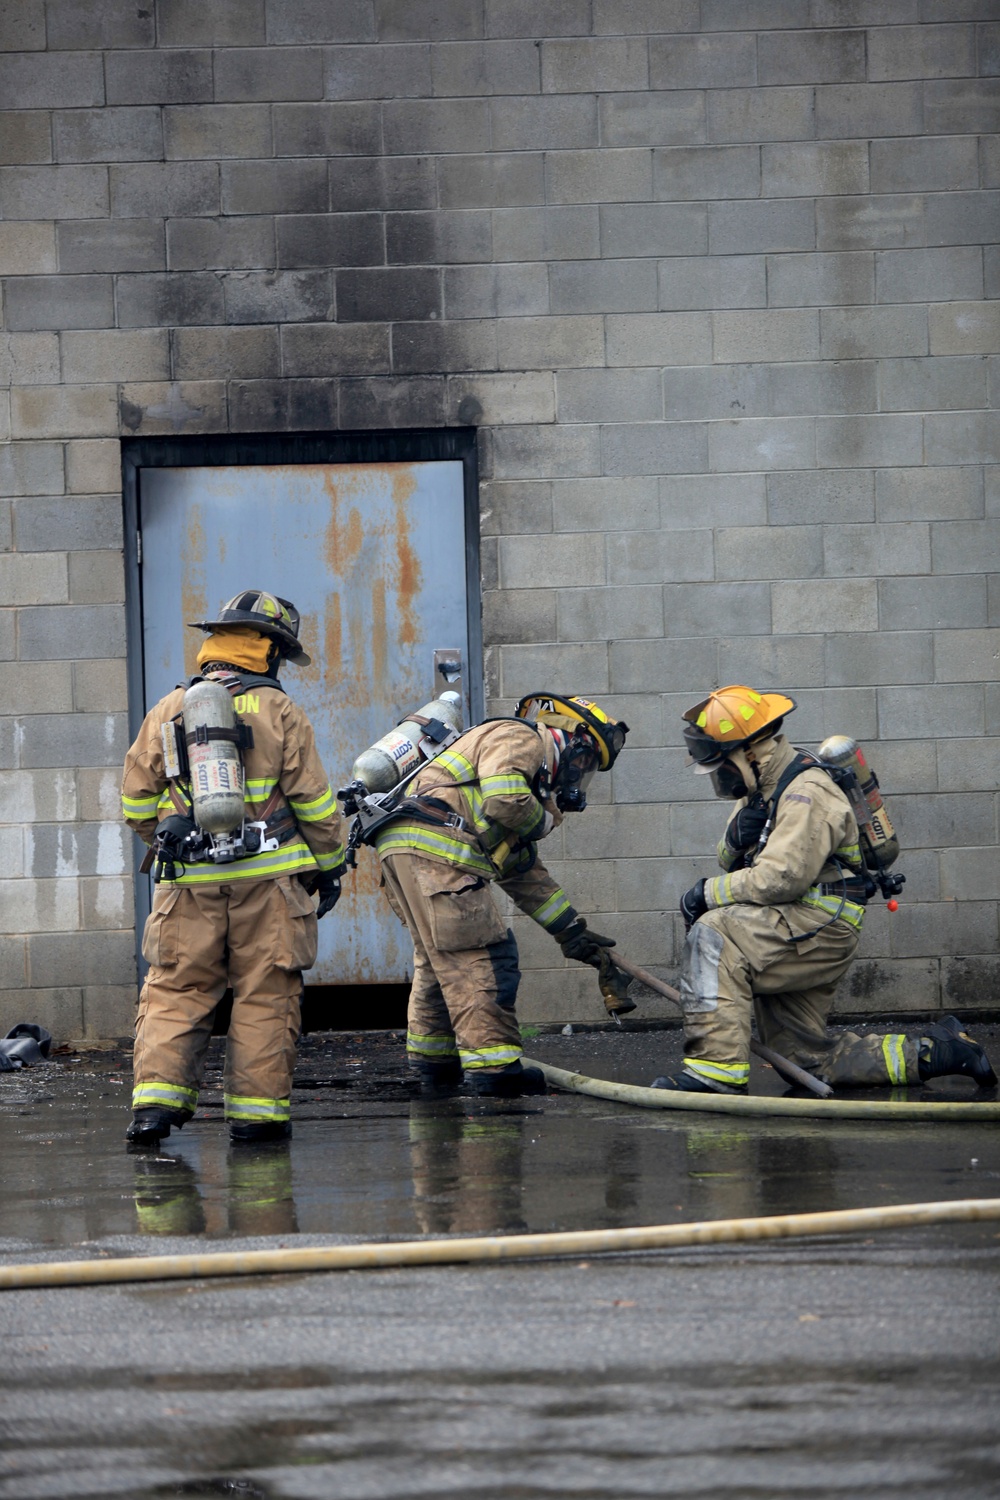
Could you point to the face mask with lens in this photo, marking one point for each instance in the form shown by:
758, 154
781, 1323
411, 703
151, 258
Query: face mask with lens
728, 782
577, 763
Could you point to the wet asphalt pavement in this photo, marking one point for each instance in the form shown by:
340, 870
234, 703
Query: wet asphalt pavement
826, 1368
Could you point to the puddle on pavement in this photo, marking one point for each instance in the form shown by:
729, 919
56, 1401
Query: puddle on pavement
368, 1159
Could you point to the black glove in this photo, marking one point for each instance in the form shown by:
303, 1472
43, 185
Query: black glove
693, 904
328, 889
745, 828
579, 943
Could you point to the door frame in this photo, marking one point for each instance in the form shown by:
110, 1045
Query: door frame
246, 450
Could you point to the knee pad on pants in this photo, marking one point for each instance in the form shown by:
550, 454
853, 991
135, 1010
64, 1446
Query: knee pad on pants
699, 985
507, 975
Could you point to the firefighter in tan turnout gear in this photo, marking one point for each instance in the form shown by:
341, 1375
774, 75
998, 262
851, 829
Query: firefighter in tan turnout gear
472, 816
232, 907
773, 934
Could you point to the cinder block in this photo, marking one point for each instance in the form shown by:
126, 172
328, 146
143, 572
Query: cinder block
546, 234
226, 353
655, 448
278, 296
922, 51
965, 328
110, 245
491, 181
315, 21
939, 494
610, 614
659, 339
59, 740
756, 337
352, 129
507, 400
584, 664
471, 291
722, 61
701, 609
330, 240
548, 343
115, 354
107, 901
80, 523
661, 118
388, 295
938, 711
884, 441
908, 764
116, 134
761, 444
66, 632
944, 820
967, 981
54, 192
803, 169
938, 164
191, 406
867, 551
969, 218
873, 987
587, 65
436, 125
411, 402
113, 23
44, 906
609, 395
605, 505
657, 556
226, 23
825, 605
217, 130
712, 500
744, 228
695, 828
954, 107
988, 161
966, 655
769, 552
827, 388
59, 302
537, 18
330, 349
929, 603
931, 276
274, 405
786, 663
438, 238
276, 73
158, 77
710, 282
60, 1011
22, 26
101, 686
970, 874
68, 849
877, 657
274, 187
70, 411
606, 176
962, 438
25, 136
871, 223
820, 280
170, 299
30, 796
968, 765
662, 667
51, 80
31, 469
29, 687
366, 183
522, 291
99, 793
383, 72
846, 110
939, 384
97, 578
522, 506
6, 544
653, 229
224, 244
150, 190
92, 468
464, 69
517, 615
94, 957
810, 57
546, 452
527, 123
991, 270
437, 20
27, 249
603, 286
429, 348
755, 114
715, 391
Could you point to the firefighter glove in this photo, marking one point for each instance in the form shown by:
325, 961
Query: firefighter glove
576, 941
328, 890
745, 828
693, 904
614, 983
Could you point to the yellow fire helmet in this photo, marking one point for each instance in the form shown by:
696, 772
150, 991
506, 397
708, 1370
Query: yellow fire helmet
571, 713
728, 719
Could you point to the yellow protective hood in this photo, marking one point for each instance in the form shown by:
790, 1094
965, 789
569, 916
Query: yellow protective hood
241, 646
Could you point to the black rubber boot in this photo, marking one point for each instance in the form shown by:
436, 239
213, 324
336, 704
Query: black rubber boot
437, 1078
150, 1126
946, 1049
505, 1083
691, 1083
252, 1132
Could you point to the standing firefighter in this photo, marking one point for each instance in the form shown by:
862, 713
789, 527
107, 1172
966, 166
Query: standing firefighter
243, 826
472, 816
775, 933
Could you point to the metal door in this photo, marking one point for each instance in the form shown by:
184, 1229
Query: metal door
374, 557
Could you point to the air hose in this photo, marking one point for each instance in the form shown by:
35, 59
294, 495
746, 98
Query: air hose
757, 1104
494, 1247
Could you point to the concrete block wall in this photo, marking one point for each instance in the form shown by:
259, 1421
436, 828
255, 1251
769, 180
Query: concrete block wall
716, 279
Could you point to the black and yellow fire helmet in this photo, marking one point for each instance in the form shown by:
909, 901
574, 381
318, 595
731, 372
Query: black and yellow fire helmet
571, 713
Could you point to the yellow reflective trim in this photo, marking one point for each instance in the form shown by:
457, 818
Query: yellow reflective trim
489, 1057
895, 1058
409, 838
312, 811
431, 1046
549, 911
140, 807
287, 860
852, 913
735, 1074
171, 1095
332, 860
239, 1107
495, 786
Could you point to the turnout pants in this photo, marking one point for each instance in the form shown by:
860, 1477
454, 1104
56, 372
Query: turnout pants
255, 935
741, 959
465, 973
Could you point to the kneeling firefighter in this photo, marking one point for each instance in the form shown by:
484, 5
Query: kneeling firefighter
471, 816
775, 932
243, 827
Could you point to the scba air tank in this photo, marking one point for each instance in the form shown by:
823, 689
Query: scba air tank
215, 763
384, 764
869, 809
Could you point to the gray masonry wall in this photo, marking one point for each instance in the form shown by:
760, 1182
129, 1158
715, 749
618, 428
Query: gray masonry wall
716, 279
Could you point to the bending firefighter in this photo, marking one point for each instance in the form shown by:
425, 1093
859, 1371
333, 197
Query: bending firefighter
225, 785
774, 934
471, 817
